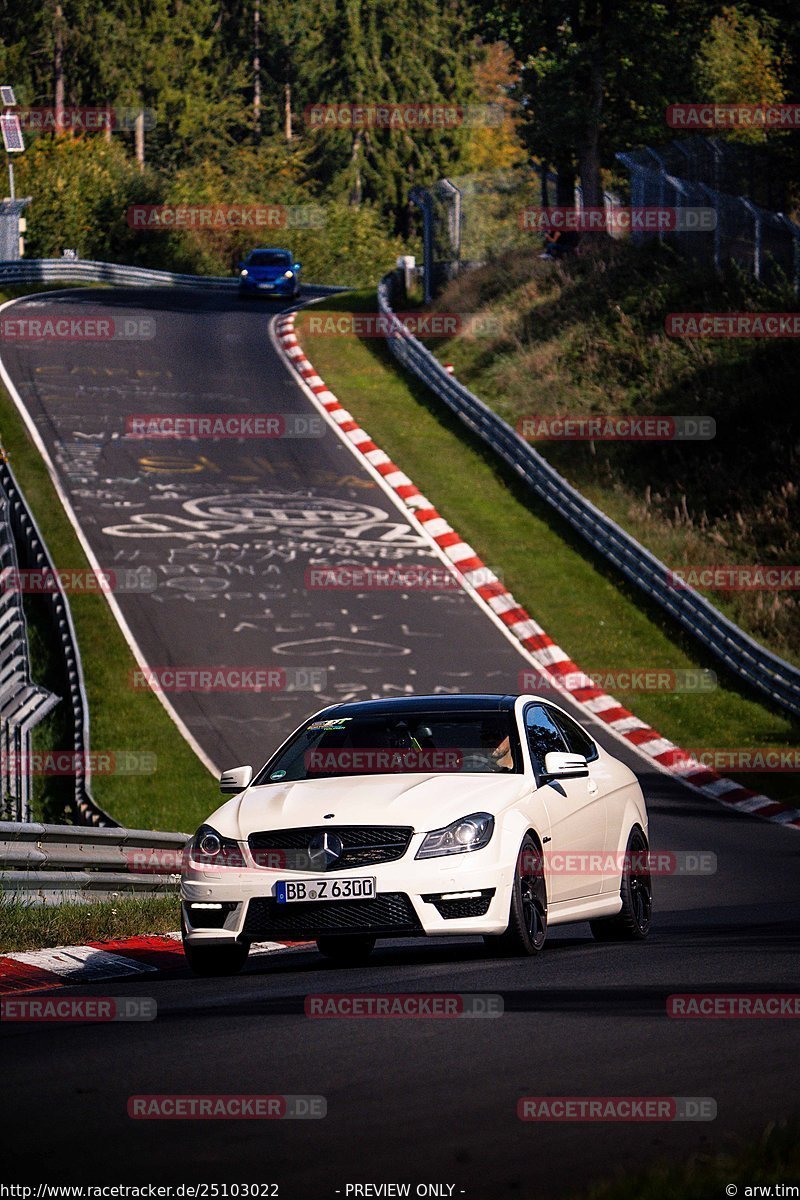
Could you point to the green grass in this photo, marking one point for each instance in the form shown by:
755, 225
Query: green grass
598, 619
36, 926
773, 1158
586, 337
180, 792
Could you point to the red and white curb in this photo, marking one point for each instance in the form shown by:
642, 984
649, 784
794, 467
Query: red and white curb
65, 966
484, 585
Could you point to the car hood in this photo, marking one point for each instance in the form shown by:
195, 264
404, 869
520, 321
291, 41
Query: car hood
423, 801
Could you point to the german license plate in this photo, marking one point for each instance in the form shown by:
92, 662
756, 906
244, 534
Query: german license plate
298, 891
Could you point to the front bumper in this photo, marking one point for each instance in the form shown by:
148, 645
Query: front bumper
411, 901
278, 287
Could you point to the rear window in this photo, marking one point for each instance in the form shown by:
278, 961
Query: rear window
392, 743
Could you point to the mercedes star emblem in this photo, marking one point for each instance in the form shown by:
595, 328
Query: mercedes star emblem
324, 849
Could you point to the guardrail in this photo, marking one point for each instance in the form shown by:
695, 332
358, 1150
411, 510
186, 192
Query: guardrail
33, 554
751, 662
54, 863
22, 703
67, 270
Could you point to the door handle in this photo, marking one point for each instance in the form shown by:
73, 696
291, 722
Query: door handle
591, 787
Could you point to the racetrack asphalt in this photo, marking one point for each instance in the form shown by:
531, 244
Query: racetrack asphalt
416, 1100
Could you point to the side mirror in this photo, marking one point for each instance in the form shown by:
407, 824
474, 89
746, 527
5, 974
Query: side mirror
558, 765
296, 266
236, 780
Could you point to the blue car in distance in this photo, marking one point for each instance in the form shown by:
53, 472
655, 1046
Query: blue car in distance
269, 272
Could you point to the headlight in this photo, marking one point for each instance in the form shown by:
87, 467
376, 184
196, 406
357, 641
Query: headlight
288, 274
468, 833
210, 849
243, 274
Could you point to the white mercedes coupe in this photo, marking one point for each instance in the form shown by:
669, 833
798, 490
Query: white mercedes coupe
436, 816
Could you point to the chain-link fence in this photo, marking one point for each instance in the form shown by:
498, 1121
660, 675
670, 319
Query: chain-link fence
687, 174
760, 171
469, 220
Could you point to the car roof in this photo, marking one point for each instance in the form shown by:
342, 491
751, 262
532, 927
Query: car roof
460, 702
269, 250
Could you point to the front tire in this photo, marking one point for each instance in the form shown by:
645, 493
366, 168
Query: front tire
352, 949
632, 922
527, 922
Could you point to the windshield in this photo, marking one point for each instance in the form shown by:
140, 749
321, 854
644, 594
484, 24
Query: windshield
269, 258
398, 743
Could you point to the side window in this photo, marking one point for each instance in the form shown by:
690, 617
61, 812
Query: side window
577, 739
543, 734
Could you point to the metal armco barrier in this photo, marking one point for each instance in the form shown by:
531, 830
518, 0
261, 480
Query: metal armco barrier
33, 554
22, 703
66, 270
736, 651
54, 863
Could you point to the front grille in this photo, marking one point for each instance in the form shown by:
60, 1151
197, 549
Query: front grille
390, 914
364, 846
458, 910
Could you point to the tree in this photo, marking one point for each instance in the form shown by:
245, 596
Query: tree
496, 147
596, 75
737, 64
383, 52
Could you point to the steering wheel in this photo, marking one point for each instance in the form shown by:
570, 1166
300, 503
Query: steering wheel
475, 761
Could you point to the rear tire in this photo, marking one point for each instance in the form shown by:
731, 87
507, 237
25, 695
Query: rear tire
352, 948
632, 922
527, 922
216, 960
